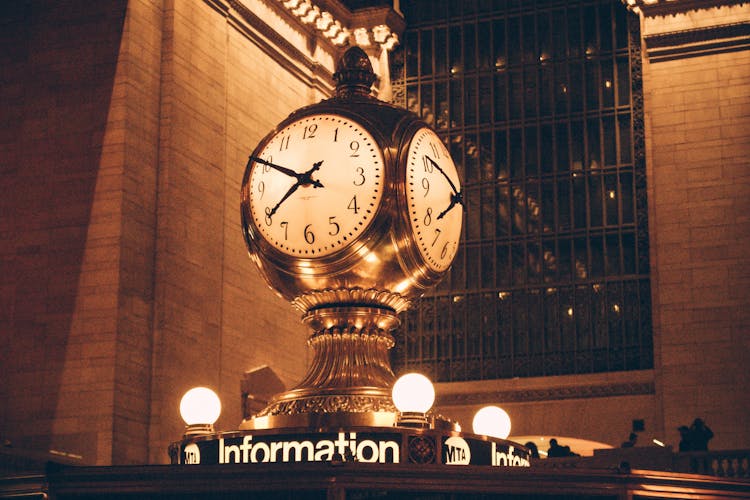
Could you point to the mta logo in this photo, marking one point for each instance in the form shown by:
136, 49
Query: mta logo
456, 451
191, 454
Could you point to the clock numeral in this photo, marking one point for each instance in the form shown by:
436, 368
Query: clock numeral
437, 235
268, 220
425, 186
444, 251
309, 131
309, 235
354, 146
353, 205
335, 228
284, 143
435, 150
336, 135
285, 225
267, 168
261, 189
428, 217
360, 177
427, 164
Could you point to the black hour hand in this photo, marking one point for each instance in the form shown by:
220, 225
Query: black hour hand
304, 179
456, 199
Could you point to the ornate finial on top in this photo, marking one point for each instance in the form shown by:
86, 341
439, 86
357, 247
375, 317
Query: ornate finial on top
354, 75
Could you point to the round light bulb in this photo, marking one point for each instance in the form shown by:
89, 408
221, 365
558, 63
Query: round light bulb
492, 421
200, 405
413, 392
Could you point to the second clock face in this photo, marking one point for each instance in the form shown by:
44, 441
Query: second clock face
316, 185
434, 199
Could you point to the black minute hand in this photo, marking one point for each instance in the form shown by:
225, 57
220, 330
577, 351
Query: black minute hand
283, 170
305, 178
457, 197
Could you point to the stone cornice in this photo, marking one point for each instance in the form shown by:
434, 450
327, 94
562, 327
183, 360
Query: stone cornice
686, 37
652, 8
548, 394
698, 41
279, 48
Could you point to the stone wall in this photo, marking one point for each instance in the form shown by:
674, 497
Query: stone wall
697, 102
125, 279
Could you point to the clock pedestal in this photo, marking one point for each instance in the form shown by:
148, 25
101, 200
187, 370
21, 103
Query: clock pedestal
350, 378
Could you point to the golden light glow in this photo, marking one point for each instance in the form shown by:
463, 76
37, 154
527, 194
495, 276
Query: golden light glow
492, 421
413, 392
200, 405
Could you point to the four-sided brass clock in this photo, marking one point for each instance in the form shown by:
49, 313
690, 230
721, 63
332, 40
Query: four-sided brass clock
350, 208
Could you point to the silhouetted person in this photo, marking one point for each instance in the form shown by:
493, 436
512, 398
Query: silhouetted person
632, 439
700, 434
533, 449
555, 450
685, 444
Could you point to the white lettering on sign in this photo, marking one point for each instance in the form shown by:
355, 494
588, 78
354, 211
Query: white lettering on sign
508, 459
457, 451
309, 451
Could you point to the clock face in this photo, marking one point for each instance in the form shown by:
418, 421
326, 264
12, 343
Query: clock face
315, 186
434, 198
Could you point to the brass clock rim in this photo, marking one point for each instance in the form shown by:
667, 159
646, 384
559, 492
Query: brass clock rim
408, 252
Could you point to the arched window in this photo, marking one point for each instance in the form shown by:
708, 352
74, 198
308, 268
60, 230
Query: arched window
540, 104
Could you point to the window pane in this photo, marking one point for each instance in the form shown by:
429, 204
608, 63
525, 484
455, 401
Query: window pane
501, 99
485, 47
470, 101
427, 108
470, 47
441, 51
485, 100
498, 44
426, 52
411, 51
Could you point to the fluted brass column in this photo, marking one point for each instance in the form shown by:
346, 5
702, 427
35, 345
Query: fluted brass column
349, 380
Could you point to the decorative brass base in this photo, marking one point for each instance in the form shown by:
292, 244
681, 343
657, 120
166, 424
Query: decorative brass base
349, 381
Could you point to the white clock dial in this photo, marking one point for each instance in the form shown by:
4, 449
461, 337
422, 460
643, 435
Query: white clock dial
316, 185
434, 199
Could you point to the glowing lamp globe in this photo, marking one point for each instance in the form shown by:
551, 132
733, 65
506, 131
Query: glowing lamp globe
413, 393
492, 421
200, 406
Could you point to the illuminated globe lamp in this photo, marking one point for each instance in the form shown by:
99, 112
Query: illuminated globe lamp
413, 396
492, 421
200, 408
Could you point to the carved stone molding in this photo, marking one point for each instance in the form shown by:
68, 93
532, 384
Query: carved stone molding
549, 394
277, 47
699, 41
653, 8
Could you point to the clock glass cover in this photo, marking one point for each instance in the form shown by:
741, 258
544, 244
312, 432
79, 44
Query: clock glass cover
434, 198
315, 186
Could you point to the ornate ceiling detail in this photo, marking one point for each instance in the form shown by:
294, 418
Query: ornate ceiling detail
375, 26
